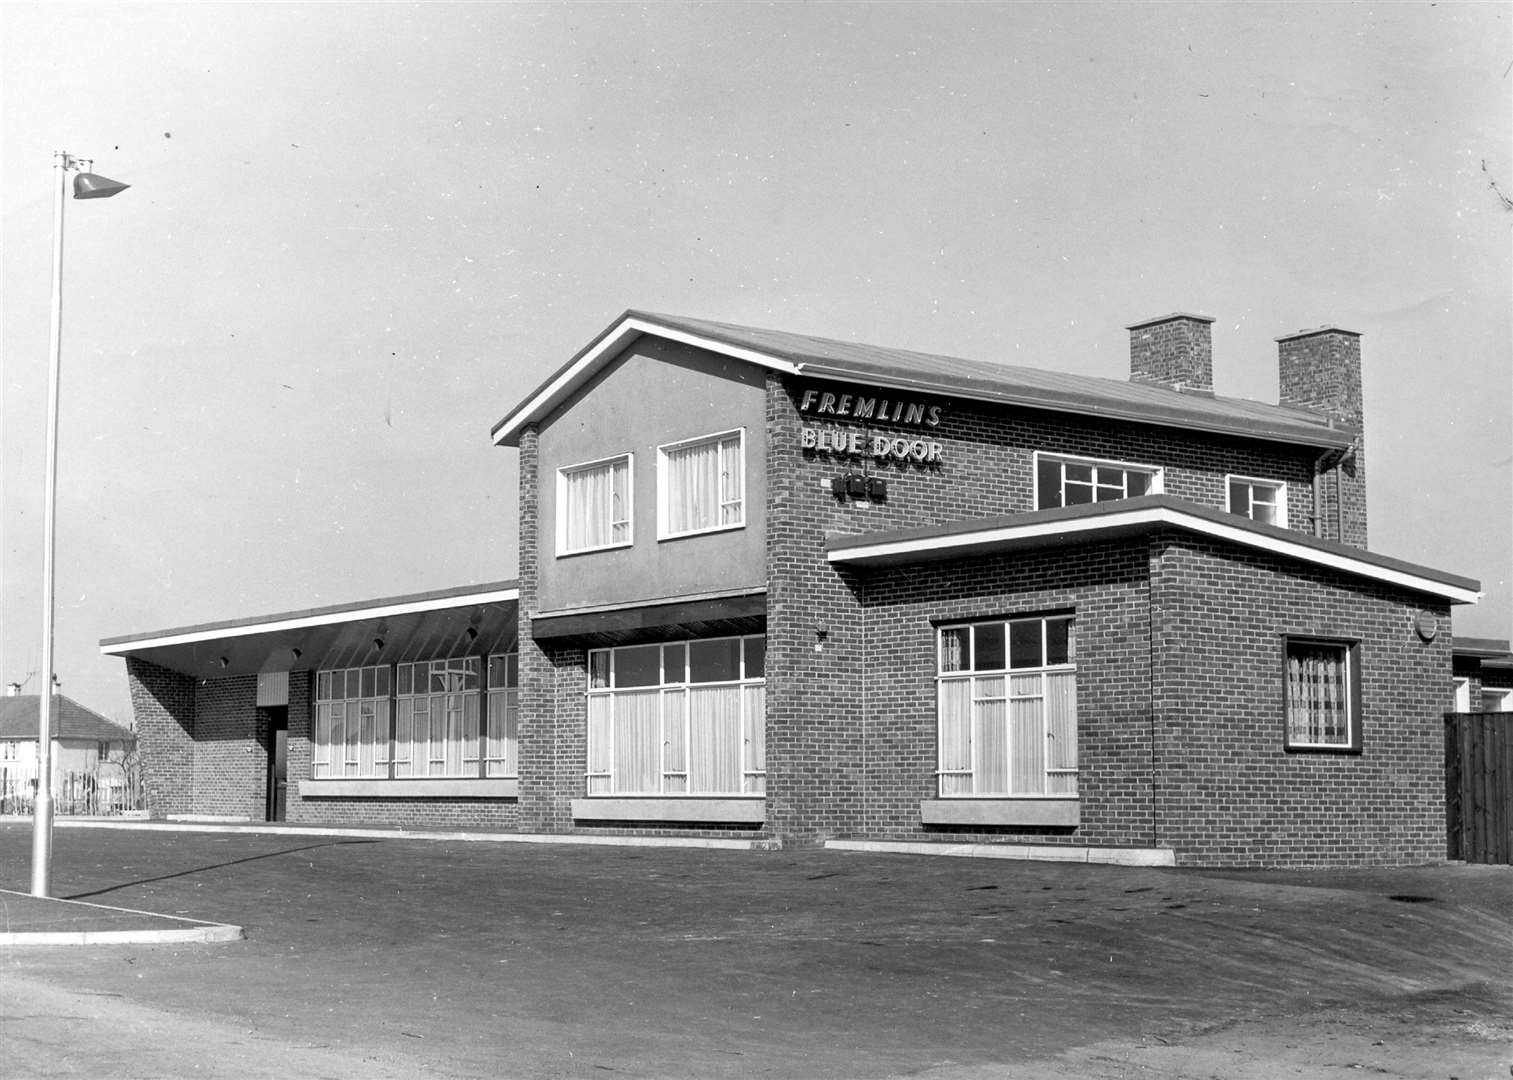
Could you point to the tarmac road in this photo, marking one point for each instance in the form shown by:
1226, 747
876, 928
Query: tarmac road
401, 958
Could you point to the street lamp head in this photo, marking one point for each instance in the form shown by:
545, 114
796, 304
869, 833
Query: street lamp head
94, 186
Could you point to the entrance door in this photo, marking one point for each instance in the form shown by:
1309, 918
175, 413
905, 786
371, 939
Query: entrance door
278, 763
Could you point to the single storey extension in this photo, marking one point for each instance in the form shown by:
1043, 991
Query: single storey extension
786, 589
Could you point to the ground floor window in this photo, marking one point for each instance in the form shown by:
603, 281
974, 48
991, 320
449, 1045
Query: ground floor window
431, 718
351, 722
501, 750
1322, 694
1007, 708
678, 718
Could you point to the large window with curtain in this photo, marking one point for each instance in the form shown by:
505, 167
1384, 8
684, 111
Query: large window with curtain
701, 484
351, 737
1322, 694
436, 718
501, 749
1007, 708
594, 505
678, 718
428, 718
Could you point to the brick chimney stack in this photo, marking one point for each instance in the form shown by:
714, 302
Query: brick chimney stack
1175, 351
1320, 370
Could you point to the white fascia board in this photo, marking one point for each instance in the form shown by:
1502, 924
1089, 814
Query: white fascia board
552, 393
1159, 515
301, 622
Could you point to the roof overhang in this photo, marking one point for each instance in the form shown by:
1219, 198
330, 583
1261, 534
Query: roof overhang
1100, 521
417, 626
600, 352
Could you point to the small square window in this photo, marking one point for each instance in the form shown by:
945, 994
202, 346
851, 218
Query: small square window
1322, 695
1260, 500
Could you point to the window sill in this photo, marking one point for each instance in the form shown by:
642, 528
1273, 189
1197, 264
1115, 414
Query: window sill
735, 809
664, 537
497, 787
1057, 811
591, 550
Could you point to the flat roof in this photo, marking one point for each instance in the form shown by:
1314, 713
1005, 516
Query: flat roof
903, 369
1093, 521
409, 627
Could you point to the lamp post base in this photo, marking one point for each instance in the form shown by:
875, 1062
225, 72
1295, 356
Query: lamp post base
42, 845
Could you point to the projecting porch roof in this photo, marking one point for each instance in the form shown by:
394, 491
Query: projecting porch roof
418, 626
1095, 521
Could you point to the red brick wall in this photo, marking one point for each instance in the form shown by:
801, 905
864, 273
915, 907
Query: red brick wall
230, 765
1228, 791
1106, 585
163, 704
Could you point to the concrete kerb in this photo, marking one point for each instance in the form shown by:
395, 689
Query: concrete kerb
1031, 852
1107, 856
186, 932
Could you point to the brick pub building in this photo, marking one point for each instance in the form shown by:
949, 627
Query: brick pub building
787, 590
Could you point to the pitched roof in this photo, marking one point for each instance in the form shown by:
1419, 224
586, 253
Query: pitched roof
1092, 521
903, 369
19, 717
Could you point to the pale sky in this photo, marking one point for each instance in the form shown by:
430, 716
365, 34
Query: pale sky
359, 233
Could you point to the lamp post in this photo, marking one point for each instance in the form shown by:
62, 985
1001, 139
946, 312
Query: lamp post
87, 185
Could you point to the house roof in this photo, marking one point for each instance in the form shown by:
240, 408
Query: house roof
1492, 652
902, 369
411, 627
20, 715
1093, 521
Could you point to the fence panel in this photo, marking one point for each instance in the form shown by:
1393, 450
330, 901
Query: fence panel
1479, 787
108, 791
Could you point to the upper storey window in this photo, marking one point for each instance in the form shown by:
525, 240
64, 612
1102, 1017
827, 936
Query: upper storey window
594, 505
701, 484
1259, 500
1073, 481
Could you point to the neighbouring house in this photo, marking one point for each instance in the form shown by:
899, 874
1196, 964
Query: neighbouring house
1483, 675
84, 744
792, 590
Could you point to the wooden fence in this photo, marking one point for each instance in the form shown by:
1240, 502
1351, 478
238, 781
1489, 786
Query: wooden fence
1479, 786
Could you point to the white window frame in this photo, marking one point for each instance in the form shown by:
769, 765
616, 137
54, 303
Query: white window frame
1280, 502
630, 503
1496, 699
664, 530
330, 759
1462, 693
502, 721
1352, 689
1155, 472
605, 781
1067, 774
444, 710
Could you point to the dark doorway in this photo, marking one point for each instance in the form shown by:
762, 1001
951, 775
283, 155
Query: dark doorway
278, 763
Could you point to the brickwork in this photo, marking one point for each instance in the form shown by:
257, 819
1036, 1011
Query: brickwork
163, 704
547, 784
1321, 370
230, 766
1229, 793
986, 464
1175, 351
1106, 586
